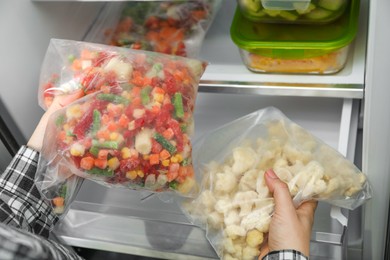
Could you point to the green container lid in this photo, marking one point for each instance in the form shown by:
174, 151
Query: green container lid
295, 41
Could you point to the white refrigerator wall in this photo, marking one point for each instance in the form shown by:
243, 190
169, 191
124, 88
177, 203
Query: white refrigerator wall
26, 28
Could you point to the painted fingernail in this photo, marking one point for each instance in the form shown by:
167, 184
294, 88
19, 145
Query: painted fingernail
271, 174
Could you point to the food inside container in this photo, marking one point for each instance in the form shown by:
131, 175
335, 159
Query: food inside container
131, 129
293, 11
235, 205
294, 48
171, 27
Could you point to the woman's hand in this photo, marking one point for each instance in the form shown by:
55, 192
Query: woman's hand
36, 139
290, 228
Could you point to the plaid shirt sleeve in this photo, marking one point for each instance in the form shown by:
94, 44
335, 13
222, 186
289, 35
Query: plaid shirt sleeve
26, 219
21, 204
285, 255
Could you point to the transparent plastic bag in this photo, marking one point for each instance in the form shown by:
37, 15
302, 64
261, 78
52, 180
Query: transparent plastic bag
171, 27
135, 133
80, 68
59, 186
234, 205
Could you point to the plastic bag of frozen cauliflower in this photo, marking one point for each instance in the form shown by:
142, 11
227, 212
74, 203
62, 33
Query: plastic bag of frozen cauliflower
235, 206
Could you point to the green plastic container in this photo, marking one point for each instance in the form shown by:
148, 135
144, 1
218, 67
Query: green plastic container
295, 48
293, 11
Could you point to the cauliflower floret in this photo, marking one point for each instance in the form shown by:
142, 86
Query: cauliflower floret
277, 129
245, 201
304, 138
293, 154
254, 238
229, 257
267, 159
238, 248
283, 173
309, 180
280, 163
332, 186
228, 245
223, 205
232, 218
225, 182
215, 220
248, 180
249, 253
234, 231
266, 205
244, 159
261, 187
207, 200
257, 219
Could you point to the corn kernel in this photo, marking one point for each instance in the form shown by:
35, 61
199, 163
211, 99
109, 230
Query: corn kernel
74, 112
125, 152
166, 162
114, 136
158, 97
174, 159
179, 157
113, 163
140, 173
131, 175
77, 149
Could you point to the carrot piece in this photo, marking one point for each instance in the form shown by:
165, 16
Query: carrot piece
137, 102
123, 121
112, 127
164, 154
173, 171
76, 65
103, 134
62, 136
168, 134
58, 201
101, 163
158, 90
172, 175
87, 163
154, 159
102, 154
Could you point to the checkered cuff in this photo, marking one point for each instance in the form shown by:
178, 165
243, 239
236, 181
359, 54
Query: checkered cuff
21, 204
285, 255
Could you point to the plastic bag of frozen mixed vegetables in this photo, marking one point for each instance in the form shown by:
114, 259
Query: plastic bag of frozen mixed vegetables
133, 129
235, 206
172, 27
80, 68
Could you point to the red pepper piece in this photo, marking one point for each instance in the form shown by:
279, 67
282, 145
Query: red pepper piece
129, 164
175, 126
85, 122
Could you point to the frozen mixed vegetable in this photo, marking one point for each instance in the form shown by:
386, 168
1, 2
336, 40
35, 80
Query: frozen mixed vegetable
81, 68
171, 27
133, 127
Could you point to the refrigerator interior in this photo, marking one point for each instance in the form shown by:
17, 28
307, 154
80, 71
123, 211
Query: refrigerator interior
326, 106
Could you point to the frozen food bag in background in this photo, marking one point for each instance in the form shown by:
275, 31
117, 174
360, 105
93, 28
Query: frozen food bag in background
80, 68
134, 133
171, 27
234, 204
